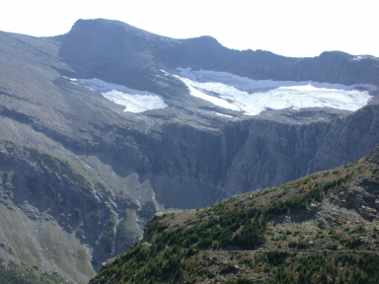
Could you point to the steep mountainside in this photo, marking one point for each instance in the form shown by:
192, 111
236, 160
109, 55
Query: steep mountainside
323, 228
56, 217
108, 124
15, 274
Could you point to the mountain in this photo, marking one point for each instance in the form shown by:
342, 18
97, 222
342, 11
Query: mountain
119, 53
319, 229
108, 124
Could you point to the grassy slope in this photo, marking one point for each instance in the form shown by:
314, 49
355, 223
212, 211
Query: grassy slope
323, 228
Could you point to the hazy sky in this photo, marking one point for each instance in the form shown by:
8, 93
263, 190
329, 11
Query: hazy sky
288, 27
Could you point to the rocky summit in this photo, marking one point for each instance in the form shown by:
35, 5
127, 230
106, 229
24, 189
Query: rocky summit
107, 125
323, 228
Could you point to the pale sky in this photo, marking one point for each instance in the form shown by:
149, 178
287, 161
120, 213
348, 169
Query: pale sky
288, 27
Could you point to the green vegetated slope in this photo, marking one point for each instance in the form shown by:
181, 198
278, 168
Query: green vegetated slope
323, 228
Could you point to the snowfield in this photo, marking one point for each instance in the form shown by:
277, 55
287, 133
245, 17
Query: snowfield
134, 101
251, 97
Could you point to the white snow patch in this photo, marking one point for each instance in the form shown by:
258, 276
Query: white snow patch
223, 115
132, 100
198, 92
363, 57
252, 97
358, 58
135, 103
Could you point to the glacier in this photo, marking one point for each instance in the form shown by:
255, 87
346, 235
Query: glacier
132, 100
135, 103
252, 97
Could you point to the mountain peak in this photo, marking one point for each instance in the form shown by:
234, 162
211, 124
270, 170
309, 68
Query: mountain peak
102, 25
205, 40
335, 54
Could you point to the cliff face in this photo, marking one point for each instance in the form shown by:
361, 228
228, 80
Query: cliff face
270, 147
193, 167
348, 139
319, 229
